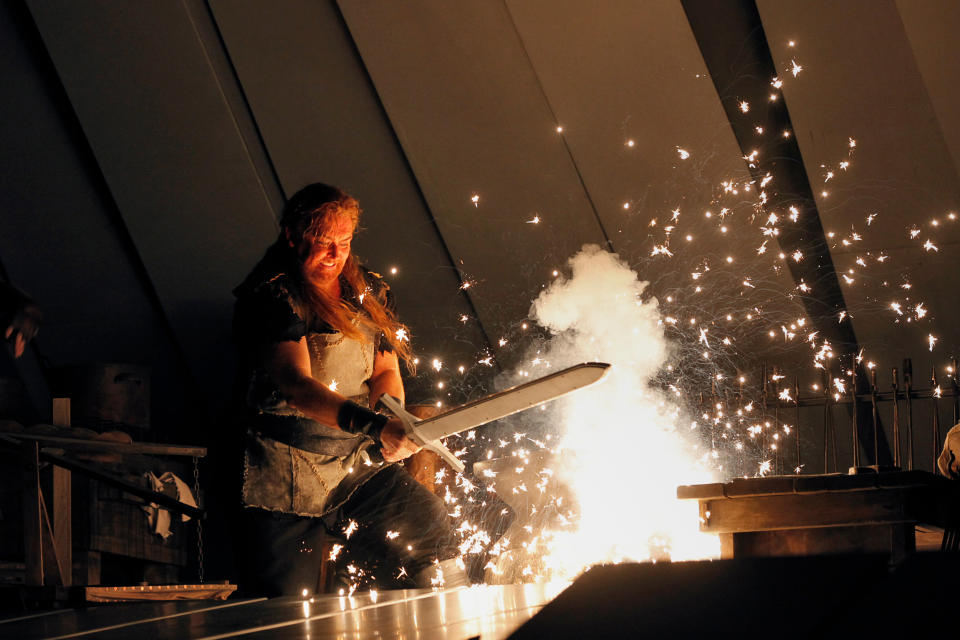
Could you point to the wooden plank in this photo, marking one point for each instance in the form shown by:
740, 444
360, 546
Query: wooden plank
32, 542
53, 569
63, 522
895, 540
62, 502
701, 491
159, 592
146, 448
835, 482
769, 513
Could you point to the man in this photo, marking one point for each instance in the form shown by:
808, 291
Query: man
319, 344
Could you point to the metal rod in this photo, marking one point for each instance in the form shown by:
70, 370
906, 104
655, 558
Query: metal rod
740, 380
776, 421
936, 418
875, 417
882, 396
908, 386
763, 398
854, 426
833, 440
150, 496
896, 419
796, 425
825, 379
954, 390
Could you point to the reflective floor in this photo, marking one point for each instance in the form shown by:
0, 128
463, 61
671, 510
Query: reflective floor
481, 611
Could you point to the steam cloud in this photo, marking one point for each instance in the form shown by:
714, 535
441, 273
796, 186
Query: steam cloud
626, 446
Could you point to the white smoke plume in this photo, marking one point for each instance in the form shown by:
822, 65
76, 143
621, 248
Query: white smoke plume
626, 447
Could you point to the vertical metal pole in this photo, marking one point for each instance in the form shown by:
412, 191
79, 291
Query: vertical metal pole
825, 378
954, 390
876, 418
796, 426
896, 419
740, 379
776, 421
715, 411
908, 388
936, 417
763, 418
854, 426
833, 439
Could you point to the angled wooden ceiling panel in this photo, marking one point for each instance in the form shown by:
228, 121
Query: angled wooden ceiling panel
166, 141
321, 121
860, 80
473, 121
932, 27
629, 84
624, 71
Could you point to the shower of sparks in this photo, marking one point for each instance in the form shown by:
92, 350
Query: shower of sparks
333, 385
680, 444
401, 335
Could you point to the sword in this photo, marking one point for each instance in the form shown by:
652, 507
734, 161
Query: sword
428, 432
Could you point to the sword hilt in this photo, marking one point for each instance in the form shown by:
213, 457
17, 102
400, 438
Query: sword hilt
409, 426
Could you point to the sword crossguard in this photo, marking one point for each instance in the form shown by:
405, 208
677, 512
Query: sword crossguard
409, 426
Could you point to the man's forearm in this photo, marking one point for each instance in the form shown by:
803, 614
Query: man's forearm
388, 382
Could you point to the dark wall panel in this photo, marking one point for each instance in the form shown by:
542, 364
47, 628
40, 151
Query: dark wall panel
167, 143
59, 238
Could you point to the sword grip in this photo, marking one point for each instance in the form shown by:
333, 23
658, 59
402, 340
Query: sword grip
409, 425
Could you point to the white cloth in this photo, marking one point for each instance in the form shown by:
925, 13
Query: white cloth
169, 484
949, 460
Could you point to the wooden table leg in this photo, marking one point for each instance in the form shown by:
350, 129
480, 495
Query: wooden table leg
32, 531
62, 501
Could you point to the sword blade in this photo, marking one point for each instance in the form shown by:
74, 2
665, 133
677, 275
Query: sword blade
510, 401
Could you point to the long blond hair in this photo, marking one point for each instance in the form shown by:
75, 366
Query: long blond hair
310, 213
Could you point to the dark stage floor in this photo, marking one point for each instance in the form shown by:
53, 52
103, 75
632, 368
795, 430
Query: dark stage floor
490, 612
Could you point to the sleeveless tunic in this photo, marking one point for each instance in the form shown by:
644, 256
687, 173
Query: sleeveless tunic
292, 463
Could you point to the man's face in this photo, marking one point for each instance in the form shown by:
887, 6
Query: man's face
324, 255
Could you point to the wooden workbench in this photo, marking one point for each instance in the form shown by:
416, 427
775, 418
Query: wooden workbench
881, 513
